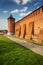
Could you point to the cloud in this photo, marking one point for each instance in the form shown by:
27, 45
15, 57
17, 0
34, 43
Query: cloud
5, 11
24, 14
37, 7
20, 18
28, 12
17, 1
25, 1
3, 24
14, 11
24, 9
17, 10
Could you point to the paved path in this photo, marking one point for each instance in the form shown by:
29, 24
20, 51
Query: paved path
36, 48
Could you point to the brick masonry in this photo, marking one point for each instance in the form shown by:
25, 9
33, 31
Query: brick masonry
40, 36
29, 26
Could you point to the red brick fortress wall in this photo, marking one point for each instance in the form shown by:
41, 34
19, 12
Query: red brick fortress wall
24, 27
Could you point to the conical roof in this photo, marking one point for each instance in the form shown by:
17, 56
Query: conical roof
11, 17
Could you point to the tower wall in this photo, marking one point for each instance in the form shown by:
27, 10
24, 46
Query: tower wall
11, 25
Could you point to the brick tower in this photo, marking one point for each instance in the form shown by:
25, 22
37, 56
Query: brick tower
11, 25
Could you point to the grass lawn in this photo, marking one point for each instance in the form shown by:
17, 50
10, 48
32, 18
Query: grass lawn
12, 53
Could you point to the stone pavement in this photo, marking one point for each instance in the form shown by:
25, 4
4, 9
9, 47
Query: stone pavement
36, 48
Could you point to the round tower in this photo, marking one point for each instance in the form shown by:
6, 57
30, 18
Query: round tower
11, 25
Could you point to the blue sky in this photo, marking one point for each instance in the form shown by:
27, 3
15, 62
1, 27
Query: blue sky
18, 8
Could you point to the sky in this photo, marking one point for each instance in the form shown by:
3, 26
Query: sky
18, 9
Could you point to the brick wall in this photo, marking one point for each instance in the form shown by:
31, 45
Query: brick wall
24, 27
11, 25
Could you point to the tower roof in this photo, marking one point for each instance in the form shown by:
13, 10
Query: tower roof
11, 17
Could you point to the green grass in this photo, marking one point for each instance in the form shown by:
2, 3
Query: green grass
11, 53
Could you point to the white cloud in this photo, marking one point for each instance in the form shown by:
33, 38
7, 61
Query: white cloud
17, 10
37, 7
24, 9
28, 12
17, 1
24, 14
3, 24
14, 11
5, 11
20, 18
25, 1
